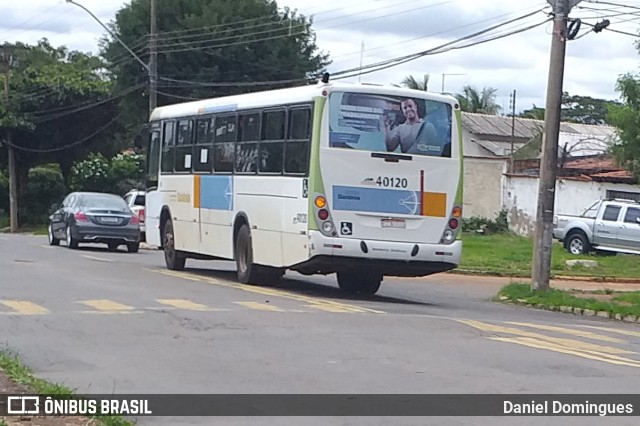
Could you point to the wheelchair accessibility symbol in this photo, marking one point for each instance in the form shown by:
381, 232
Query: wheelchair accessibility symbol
346, 228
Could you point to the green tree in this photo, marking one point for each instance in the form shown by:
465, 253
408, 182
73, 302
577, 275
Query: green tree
535, 113
626, 117
411, 83
483, 102
59, 108
577, 109
212, 45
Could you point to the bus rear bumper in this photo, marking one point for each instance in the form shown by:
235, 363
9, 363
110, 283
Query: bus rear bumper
329, 255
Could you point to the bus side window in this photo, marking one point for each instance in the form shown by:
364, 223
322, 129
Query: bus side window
202, 150
167, 148
247, 146
184, 142
224, 138
271, 147
296, 152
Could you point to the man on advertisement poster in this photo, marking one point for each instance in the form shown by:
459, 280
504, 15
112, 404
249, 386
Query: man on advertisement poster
414, 135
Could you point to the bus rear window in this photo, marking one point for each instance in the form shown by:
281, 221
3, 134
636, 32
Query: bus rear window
384, 123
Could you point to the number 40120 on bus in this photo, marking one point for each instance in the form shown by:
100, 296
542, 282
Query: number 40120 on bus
359, 180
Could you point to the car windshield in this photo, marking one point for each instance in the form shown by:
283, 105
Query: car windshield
103, 201
139, 201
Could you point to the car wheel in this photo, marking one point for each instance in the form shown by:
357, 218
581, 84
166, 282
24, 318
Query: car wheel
133, 247
71, 242
53, 241
359, 283
578, 244
172, 258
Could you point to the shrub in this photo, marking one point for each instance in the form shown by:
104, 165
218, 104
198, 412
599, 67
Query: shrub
92, 174
483, 225
45, 186
127, 172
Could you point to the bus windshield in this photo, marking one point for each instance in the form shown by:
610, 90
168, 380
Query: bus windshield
368, 122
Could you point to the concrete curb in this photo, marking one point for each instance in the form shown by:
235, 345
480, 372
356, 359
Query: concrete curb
599, 279
630, 319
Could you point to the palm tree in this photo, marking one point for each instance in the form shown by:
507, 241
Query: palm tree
411, 83
471, 100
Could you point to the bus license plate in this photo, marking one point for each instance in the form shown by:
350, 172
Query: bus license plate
393, 223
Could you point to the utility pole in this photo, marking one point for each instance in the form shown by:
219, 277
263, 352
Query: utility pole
153, 57
513, 129
6, 61
541, 262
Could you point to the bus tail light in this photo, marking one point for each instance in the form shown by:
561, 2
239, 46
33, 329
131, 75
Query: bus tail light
453, 226
323, 216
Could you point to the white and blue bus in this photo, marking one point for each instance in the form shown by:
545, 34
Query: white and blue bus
360, 180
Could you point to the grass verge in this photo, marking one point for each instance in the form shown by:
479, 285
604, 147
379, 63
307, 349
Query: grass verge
620, 305
510, 255
23, 377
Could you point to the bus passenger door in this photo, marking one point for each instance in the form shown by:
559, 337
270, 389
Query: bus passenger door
153, 199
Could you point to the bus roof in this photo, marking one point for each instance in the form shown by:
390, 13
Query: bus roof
282, 97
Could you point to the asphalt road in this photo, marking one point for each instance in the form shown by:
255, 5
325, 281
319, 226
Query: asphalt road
102, 322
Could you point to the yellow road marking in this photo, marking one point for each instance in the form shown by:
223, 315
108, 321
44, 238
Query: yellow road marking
105, 305
562, 342
329, 304
99, 259
183, 304
260, 306
178, 275
570, 331
23, 307
327, 307
533, 343
615, 330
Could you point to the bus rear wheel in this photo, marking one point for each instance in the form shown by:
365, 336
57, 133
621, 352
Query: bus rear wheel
249, 272
359, 282
172, 258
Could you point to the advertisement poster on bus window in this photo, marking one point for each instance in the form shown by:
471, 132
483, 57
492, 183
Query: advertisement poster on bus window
394, 124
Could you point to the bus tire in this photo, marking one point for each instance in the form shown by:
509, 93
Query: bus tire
172, 258
248, 272
359, 283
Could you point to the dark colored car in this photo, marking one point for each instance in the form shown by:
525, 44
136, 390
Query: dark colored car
89, 217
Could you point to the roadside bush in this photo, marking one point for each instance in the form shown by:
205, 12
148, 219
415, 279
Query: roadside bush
91, 174
45, 186
483, 225
127, 172
119, 175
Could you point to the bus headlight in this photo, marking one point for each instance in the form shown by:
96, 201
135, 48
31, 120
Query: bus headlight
327, 227
448, 235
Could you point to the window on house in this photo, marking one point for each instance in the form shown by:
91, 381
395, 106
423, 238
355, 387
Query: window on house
623, 195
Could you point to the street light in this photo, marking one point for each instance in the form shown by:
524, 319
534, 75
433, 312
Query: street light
443, 75
145, 65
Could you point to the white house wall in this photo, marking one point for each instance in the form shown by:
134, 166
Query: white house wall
483, 180
572, 197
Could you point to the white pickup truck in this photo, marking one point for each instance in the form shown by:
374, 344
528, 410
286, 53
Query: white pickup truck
608, 227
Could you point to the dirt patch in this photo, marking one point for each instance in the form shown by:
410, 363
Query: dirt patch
7, 386
600, 297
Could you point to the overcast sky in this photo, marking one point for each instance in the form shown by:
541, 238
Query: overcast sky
393, 28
